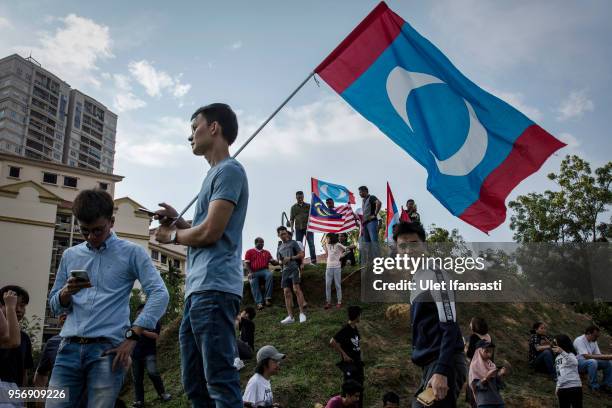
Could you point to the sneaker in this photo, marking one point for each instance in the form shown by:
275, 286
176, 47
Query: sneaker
138, 404
260, 306
339, 306
288, 320
238, 363
165, 397
327, 305
302, 317
268, 302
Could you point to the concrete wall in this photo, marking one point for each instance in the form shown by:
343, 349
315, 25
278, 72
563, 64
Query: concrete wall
26, 240
35, 174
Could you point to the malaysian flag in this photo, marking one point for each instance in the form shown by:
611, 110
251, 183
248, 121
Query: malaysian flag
334, 220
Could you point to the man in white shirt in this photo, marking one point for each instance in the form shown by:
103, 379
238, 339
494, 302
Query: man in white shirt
258, 392
590, 359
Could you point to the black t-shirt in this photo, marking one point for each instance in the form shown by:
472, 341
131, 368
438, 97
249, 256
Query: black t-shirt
14, 362
247, 332
146, 346
47, 359
348, 339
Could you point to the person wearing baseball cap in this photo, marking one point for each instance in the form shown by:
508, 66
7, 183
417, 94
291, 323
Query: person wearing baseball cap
258, 392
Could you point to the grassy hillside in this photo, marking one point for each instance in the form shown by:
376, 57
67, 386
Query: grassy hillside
309, 374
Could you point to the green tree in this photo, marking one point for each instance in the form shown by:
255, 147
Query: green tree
175, 281
573, 213
439, 234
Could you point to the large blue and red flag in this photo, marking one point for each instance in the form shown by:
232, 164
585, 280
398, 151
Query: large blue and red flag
324, 219
392, 214
336, 192
476, 148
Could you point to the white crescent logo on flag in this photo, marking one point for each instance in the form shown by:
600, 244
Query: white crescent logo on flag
325, 190
400, 83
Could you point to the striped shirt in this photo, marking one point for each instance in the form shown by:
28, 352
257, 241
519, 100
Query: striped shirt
257, 259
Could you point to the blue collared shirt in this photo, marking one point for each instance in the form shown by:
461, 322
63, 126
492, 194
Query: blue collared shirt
103, 310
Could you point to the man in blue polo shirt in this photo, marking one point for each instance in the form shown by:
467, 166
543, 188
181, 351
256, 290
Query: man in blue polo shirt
214, 283
93, 286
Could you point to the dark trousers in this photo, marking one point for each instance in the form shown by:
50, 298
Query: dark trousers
299, 237
455, 380
570, 397
348, 257
544, 363
138, 368
245, 352
355, 372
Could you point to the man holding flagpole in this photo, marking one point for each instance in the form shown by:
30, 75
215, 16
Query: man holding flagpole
214, 283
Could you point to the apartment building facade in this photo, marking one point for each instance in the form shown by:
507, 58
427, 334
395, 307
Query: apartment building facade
42, 118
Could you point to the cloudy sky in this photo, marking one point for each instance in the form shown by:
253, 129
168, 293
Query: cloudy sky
154, 63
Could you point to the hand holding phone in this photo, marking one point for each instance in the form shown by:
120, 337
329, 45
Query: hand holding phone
427, 397
80, 275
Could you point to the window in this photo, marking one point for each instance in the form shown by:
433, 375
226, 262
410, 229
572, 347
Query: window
70, 181
154, 255
164, 259
77, 116
177, 263
14, 172
104, 186
50, 178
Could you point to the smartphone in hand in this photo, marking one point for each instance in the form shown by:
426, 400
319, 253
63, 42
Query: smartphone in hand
80, 274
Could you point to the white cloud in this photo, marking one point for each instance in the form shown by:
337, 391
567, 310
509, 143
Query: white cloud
328, 124
180, 89
569, 139
124, 99
296, 131
576, 104
157, 81
494, 35
517, 100
236, 45
74, 50
161, 143
5, 23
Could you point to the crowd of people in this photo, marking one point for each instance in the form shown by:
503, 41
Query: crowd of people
564, 360
99, 341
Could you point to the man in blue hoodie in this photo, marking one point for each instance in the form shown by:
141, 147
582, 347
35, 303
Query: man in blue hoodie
437, 344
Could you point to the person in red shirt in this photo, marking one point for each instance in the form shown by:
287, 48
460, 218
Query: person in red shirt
410, 214
257, 260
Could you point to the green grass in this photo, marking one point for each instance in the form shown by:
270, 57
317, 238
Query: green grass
309, 375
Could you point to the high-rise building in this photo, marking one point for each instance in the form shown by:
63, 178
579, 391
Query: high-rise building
33, 109
90, 135
42, 118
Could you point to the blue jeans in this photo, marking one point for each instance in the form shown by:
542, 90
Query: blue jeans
544, 363
208, 347
299, 236
138, 368
266, 275
82, 368
370, 240
591, 367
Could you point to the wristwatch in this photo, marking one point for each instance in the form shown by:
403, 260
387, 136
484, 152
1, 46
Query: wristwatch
173, 237
131, 335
